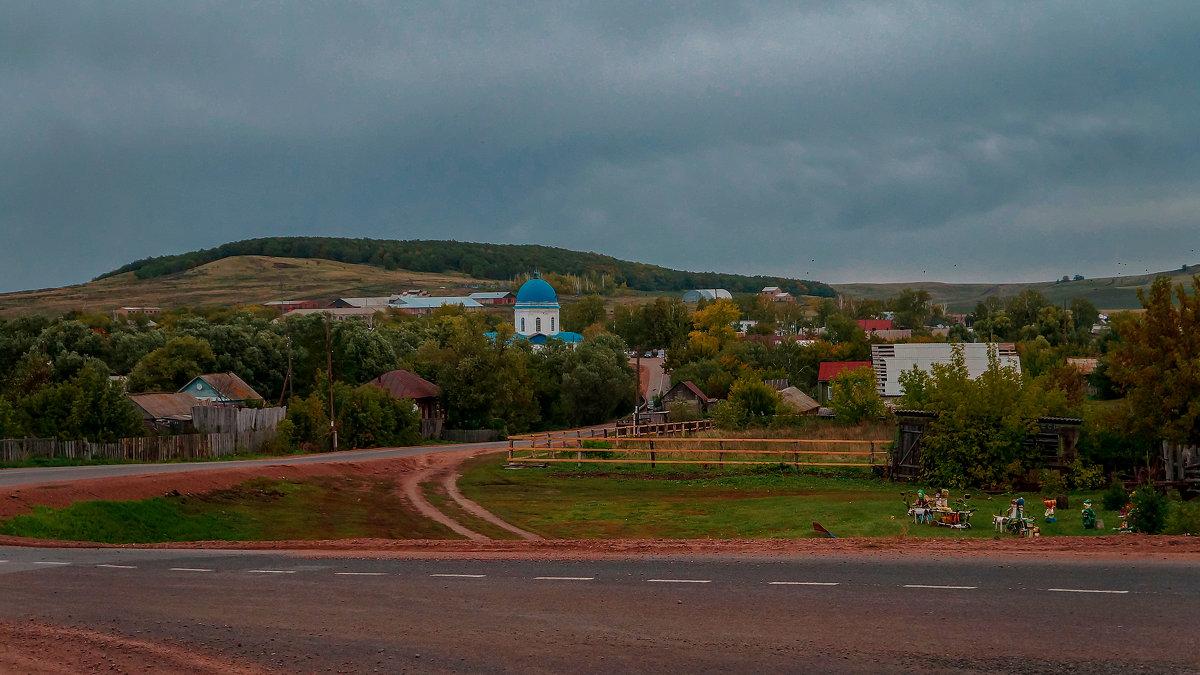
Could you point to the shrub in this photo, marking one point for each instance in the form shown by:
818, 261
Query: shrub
1115, 497
1183, 518
1149, 512
284, 442
727, 416
1052, 482
1084, 476
682, 411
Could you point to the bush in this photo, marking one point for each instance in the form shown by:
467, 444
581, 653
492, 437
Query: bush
1183, 518
1084, 476
1149, 512
727, 416
682, 411
284, 442
1115, 497
1052, 482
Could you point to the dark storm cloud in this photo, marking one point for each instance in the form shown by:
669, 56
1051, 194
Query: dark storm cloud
836, 140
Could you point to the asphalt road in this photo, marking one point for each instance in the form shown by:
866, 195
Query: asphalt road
19, 477
678, 615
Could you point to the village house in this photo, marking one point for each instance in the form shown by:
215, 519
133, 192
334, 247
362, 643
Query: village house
165, 412
341, 313
688, 393
494, 298
222, 389
424, 394
285, 306
800, 401
777, 294
891, 360
379, 301
828, 370
426, 306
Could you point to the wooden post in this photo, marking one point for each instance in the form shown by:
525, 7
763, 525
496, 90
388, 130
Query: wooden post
872, 455
721, 454
652, 453
510, 450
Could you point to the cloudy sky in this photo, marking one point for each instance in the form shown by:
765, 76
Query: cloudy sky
839, 140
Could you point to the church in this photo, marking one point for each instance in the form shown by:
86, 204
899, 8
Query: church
536, 314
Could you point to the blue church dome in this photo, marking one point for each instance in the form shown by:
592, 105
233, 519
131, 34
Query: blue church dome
536, 292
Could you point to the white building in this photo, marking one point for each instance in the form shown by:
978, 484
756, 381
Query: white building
536, 314
890, 360
709, 294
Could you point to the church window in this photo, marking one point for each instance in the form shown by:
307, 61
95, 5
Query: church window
537, 324
552, 324
522, 324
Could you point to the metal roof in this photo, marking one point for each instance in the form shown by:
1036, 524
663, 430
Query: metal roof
434, 302
230, 386
161, 406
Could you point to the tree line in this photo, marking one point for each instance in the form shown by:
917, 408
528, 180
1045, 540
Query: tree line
482, 261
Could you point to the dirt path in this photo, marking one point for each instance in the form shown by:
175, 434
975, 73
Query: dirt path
40, 649
450, 482
409, 486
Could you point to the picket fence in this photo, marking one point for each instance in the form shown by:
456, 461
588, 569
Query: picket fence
141, 449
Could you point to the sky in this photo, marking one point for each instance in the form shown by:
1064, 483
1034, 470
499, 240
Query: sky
834, 140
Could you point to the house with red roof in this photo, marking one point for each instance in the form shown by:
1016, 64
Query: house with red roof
872, 325
689, 393
828, 370
424, 395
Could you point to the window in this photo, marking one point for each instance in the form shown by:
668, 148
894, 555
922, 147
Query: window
522, 324
552, 324
537, 325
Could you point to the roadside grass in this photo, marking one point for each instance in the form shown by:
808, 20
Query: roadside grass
261, 509
436, 495
614, 501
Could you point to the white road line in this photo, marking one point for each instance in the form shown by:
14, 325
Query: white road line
564, 578
3, 561
361, 574
49, 562
679, 581
460, 576
802, 583
951, 588
1084, 590
188, 569
271, 571
118, 567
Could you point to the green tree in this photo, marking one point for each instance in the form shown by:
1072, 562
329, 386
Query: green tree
978, 435
579, 315
1156, 363
171, 366
754, 400
856, 396
599, 381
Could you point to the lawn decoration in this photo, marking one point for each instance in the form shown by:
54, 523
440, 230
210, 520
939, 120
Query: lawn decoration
1089, 515
1051, 505
1126, 527
1016, 523
941, 512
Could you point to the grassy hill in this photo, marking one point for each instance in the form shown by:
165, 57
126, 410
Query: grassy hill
243, 280
481, 261
1106, 292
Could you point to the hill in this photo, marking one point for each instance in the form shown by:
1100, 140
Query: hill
1105, 292
481, 261
243, 280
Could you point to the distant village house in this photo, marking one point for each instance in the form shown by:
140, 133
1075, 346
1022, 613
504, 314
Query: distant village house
221, 389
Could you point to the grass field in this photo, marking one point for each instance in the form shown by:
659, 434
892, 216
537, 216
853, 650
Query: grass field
606, 502
244, 280
257, 510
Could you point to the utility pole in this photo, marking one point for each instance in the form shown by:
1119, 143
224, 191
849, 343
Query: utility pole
329, 376
637, 387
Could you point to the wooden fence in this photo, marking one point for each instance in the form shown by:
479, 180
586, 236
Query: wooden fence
546, 438
707, 451
141, 449
470, 435
214, 420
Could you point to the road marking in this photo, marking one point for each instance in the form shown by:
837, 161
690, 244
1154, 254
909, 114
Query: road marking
3, 561
460, 576
118, 567
564, 578
49, 562
361, 574
679, 581
802, 583
951, 588
188, 569
271, 571
1084, 590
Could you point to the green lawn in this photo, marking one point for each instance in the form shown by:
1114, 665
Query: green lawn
257, 510
606, 502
